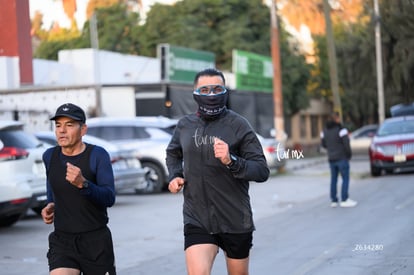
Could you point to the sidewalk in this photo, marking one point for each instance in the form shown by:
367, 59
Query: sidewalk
359, 165
296, 164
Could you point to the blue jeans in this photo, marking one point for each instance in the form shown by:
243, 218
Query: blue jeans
342, 167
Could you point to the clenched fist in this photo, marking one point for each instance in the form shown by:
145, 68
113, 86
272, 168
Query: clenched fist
48, 213
176, 185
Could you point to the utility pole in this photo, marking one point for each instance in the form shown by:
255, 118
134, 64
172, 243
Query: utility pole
279, 123
93, 25
378, 51
333, 72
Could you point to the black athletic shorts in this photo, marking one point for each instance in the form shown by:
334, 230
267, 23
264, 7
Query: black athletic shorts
92, 252
236, 246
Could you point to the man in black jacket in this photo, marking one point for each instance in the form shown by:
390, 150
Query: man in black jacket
213, 154
335, 139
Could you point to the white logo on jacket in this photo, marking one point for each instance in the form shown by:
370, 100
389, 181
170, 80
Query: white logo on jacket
202, 140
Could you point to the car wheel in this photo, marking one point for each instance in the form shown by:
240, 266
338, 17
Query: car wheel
155, 179
10, 220
375, 171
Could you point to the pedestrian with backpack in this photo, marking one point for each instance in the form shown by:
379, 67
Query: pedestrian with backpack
80, 188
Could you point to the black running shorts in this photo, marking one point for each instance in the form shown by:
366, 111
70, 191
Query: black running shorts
236, 246
91, 252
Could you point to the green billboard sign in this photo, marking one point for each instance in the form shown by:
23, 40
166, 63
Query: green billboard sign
253, 72
180, 64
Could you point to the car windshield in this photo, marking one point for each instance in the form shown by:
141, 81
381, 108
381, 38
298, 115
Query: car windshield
396, 127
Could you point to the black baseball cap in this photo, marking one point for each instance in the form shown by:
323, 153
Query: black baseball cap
70, 110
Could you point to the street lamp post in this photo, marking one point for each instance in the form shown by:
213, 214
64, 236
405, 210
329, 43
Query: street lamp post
333, 72
279, 123
93, 25
378, 51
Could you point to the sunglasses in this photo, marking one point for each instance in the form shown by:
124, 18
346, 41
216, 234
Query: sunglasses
209, 90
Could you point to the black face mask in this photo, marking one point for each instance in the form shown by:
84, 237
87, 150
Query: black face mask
211, 106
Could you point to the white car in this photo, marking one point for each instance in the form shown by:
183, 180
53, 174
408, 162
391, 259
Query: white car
15, 192
149, 136
128, 172
274, 152
361, 138
23, 177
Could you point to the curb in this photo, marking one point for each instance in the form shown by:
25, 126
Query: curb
305, 163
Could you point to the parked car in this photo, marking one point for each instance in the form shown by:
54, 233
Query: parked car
402, 110
361, 138
274, 152
148, 135
393, 145
21, 168
15, 192
128, 171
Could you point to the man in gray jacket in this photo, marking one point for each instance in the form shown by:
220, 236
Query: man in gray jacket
213, 155
335, 139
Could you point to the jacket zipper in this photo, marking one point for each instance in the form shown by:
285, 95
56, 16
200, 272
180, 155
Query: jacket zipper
205, 150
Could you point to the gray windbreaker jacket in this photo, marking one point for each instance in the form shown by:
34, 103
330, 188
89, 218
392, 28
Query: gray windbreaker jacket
216, 197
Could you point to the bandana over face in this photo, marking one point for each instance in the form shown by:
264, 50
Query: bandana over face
211, 106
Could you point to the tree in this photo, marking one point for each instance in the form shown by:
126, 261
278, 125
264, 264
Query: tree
160, 27
397, 25
310, 13
357, 73
220, 26
118, 31
357, 64
217, 26
69, 7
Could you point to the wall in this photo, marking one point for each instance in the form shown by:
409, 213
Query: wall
92, 66
15, 39
9, 72
48, 72
35, 106
118, 101
305, 127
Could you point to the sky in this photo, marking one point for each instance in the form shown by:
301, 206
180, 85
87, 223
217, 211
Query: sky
52, 11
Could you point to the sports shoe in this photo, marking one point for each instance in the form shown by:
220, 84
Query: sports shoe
334, 204
348, 203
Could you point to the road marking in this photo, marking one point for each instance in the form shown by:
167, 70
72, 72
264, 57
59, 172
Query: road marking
304, 269
405, 203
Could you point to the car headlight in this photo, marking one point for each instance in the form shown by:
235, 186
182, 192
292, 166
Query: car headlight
377, 148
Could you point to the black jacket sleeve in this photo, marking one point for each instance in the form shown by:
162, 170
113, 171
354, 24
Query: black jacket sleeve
251, 163
174, 159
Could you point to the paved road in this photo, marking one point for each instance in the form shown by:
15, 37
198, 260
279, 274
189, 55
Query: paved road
297, 231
